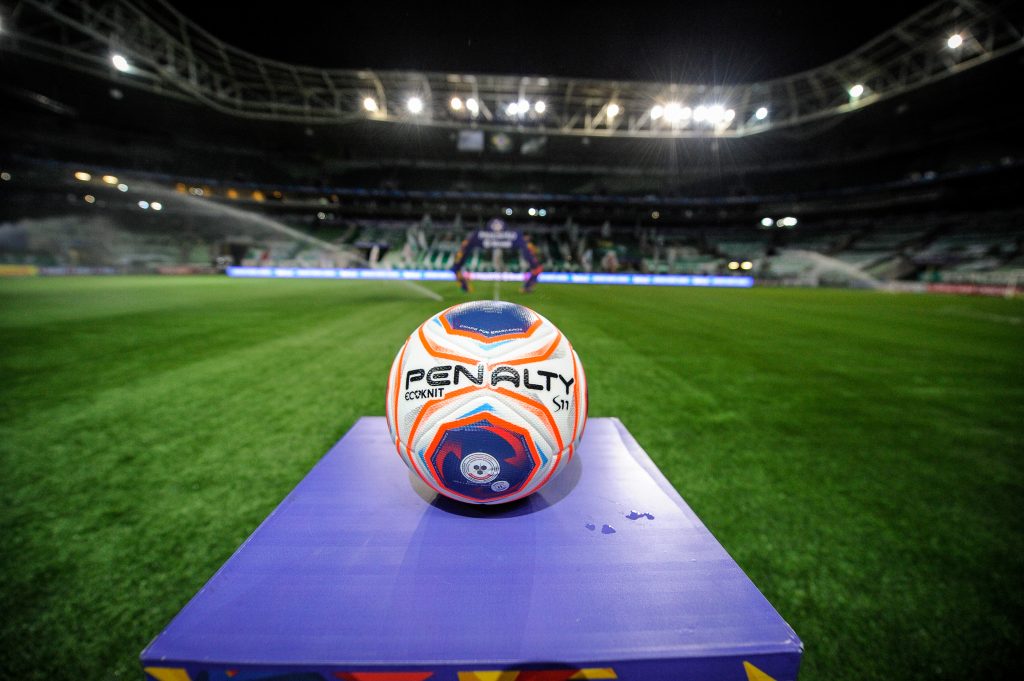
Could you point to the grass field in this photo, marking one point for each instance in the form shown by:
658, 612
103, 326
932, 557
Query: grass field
859, 454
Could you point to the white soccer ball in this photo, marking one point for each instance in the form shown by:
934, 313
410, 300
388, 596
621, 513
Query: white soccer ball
486, 402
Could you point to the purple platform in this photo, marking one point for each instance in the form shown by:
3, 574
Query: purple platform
363, 574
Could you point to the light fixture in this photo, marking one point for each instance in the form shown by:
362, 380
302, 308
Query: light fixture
542, 212
767, 222
414, 105
122, 187
532, 211
612, 111
761, 113
5, 176
473, 106
856, 90
508, 211
700, 114
523, 106
144, 205
746, 265
120, 63
89, 198
83, 176
954, 41
657, 111
110, 179
673, 112
655, 215
321, 215
156, 205
512, 109
539, 106
734, 265
456, 104
370, 104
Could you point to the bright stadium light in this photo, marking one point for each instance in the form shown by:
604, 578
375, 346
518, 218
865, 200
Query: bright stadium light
613, 110
120, 63
523, 106
473, 106
954, 41
370, 104
673, 112
144, 205
89, 198
761, 113
456, 104
657, 111
746, 265
5, 176
856, 90
542, 212
532, 212
767, 222
508, 211
512, 109
539, 106
122, 187
716, 114
156, 205
734, 265
110, 179
700, 114
730, 114
414, 105
83, 176
787, 222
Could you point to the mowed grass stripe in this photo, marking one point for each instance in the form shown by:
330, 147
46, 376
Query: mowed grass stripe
858, 453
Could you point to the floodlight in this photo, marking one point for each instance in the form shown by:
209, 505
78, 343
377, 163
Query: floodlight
122, 187
734, 265
767, 222
508, 211
156, 205
954, 41
523, 106
746, 265
83, 176
657, 111
730, 114
414, 105
761, 113
856, 90
700, 114
542, 212
532, 211
144, 205
512, 109
370, 104
472, 105
612, 111
89, 198
539, 106
655, 214
456, 104
673, 112
110, 179
120, 63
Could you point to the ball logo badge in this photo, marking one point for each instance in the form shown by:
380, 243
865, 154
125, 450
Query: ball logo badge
480, 467
486, 402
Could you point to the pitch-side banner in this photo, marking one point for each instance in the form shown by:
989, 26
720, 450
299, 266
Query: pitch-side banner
445, 275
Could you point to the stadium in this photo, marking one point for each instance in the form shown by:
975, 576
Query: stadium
791, 264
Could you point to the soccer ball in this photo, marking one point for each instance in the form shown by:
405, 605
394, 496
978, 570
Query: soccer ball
486, 402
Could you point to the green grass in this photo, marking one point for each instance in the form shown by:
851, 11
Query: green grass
859, 454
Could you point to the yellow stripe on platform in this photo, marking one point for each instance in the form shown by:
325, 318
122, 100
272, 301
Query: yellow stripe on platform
755, 674
167, 673
497, 675
595, 673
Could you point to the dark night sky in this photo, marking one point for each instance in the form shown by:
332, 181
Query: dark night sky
721, 41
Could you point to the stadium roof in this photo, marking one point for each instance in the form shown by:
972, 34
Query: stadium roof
152, 46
